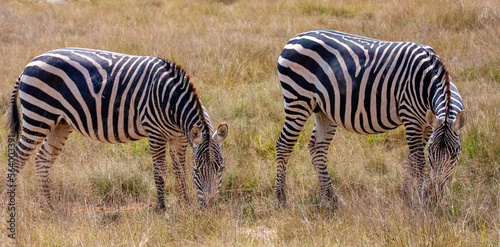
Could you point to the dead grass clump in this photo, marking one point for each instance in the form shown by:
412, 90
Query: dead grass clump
470, 15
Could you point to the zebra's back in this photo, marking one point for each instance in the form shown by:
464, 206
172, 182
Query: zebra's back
99, 93
355, 80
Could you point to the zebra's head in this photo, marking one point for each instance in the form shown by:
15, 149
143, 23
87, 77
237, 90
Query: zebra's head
208, 163
444, 151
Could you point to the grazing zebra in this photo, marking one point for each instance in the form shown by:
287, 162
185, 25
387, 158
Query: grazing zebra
116, 98
369, 86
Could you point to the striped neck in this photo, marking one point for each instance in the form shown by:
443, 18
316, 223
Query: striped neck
439, 88
180, 101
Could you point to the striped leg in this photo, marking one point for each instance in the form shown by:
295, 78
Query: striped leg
30, 139
25, 148
415, 166
294, 122
324, 130
426, 135
178, 155
157, 147
46, 156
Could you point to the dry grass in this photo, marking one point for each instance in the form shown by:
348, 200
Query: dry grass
104, 193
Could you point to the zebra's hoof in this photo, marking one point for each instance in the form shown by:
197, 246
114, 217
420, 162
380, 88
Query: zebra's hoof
330, 204
282, 204
160, 208
333, 203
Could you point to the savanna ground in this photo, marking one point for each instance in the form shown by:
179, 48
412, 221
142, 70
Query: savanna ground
104, 194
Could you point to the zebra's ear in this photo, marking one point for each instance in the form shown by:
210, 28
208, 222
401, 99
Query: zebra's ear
459, 121
221, 134
195, 135
432, 120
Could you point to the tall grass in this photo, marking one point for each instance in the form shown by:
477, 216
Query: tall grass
104, 194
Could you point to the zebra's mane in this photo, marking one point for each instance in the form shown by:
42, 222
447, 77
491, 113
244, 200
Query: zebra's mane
186, 80
446, 87
199, 106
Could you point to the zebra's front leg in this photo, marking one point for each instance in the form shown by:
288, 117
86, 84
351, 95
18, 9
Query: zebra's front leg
46, 157
157, 147
284, 147
415, 164
324, 130
177, 150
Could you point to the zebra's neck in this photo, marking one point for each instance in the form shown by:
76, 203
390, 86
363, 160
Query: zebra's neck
180, 102
440, 89
438, 99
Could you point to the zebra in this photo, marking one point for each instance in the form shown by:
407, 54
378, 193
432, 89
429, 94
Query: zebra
116, 98
369, 86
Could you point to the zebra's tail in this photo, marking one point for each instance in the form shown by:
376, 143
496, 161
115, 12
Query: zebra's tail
14, 119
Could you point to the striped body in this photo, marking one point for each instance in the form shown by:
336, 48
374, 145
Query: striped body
112, 98
102, 95
364, 85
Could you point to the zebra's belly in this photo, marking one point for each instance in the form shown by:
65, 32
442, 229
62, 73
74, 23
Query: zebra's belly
113, 133
366, 128
364, 117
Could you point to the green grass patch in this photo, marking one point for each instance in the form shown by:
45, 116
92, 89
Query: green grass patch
376, 139
489, 71
116, 187
377, 165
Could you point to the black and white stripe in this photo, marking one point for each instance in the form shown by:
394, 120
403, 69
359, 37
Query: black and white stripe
366, 86
115, 98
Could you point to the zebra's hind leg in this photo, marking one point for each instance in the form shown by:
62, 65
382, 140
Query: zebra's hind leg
324, 130
46, 156
178, 154
294, 122
30, 139
157, 146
